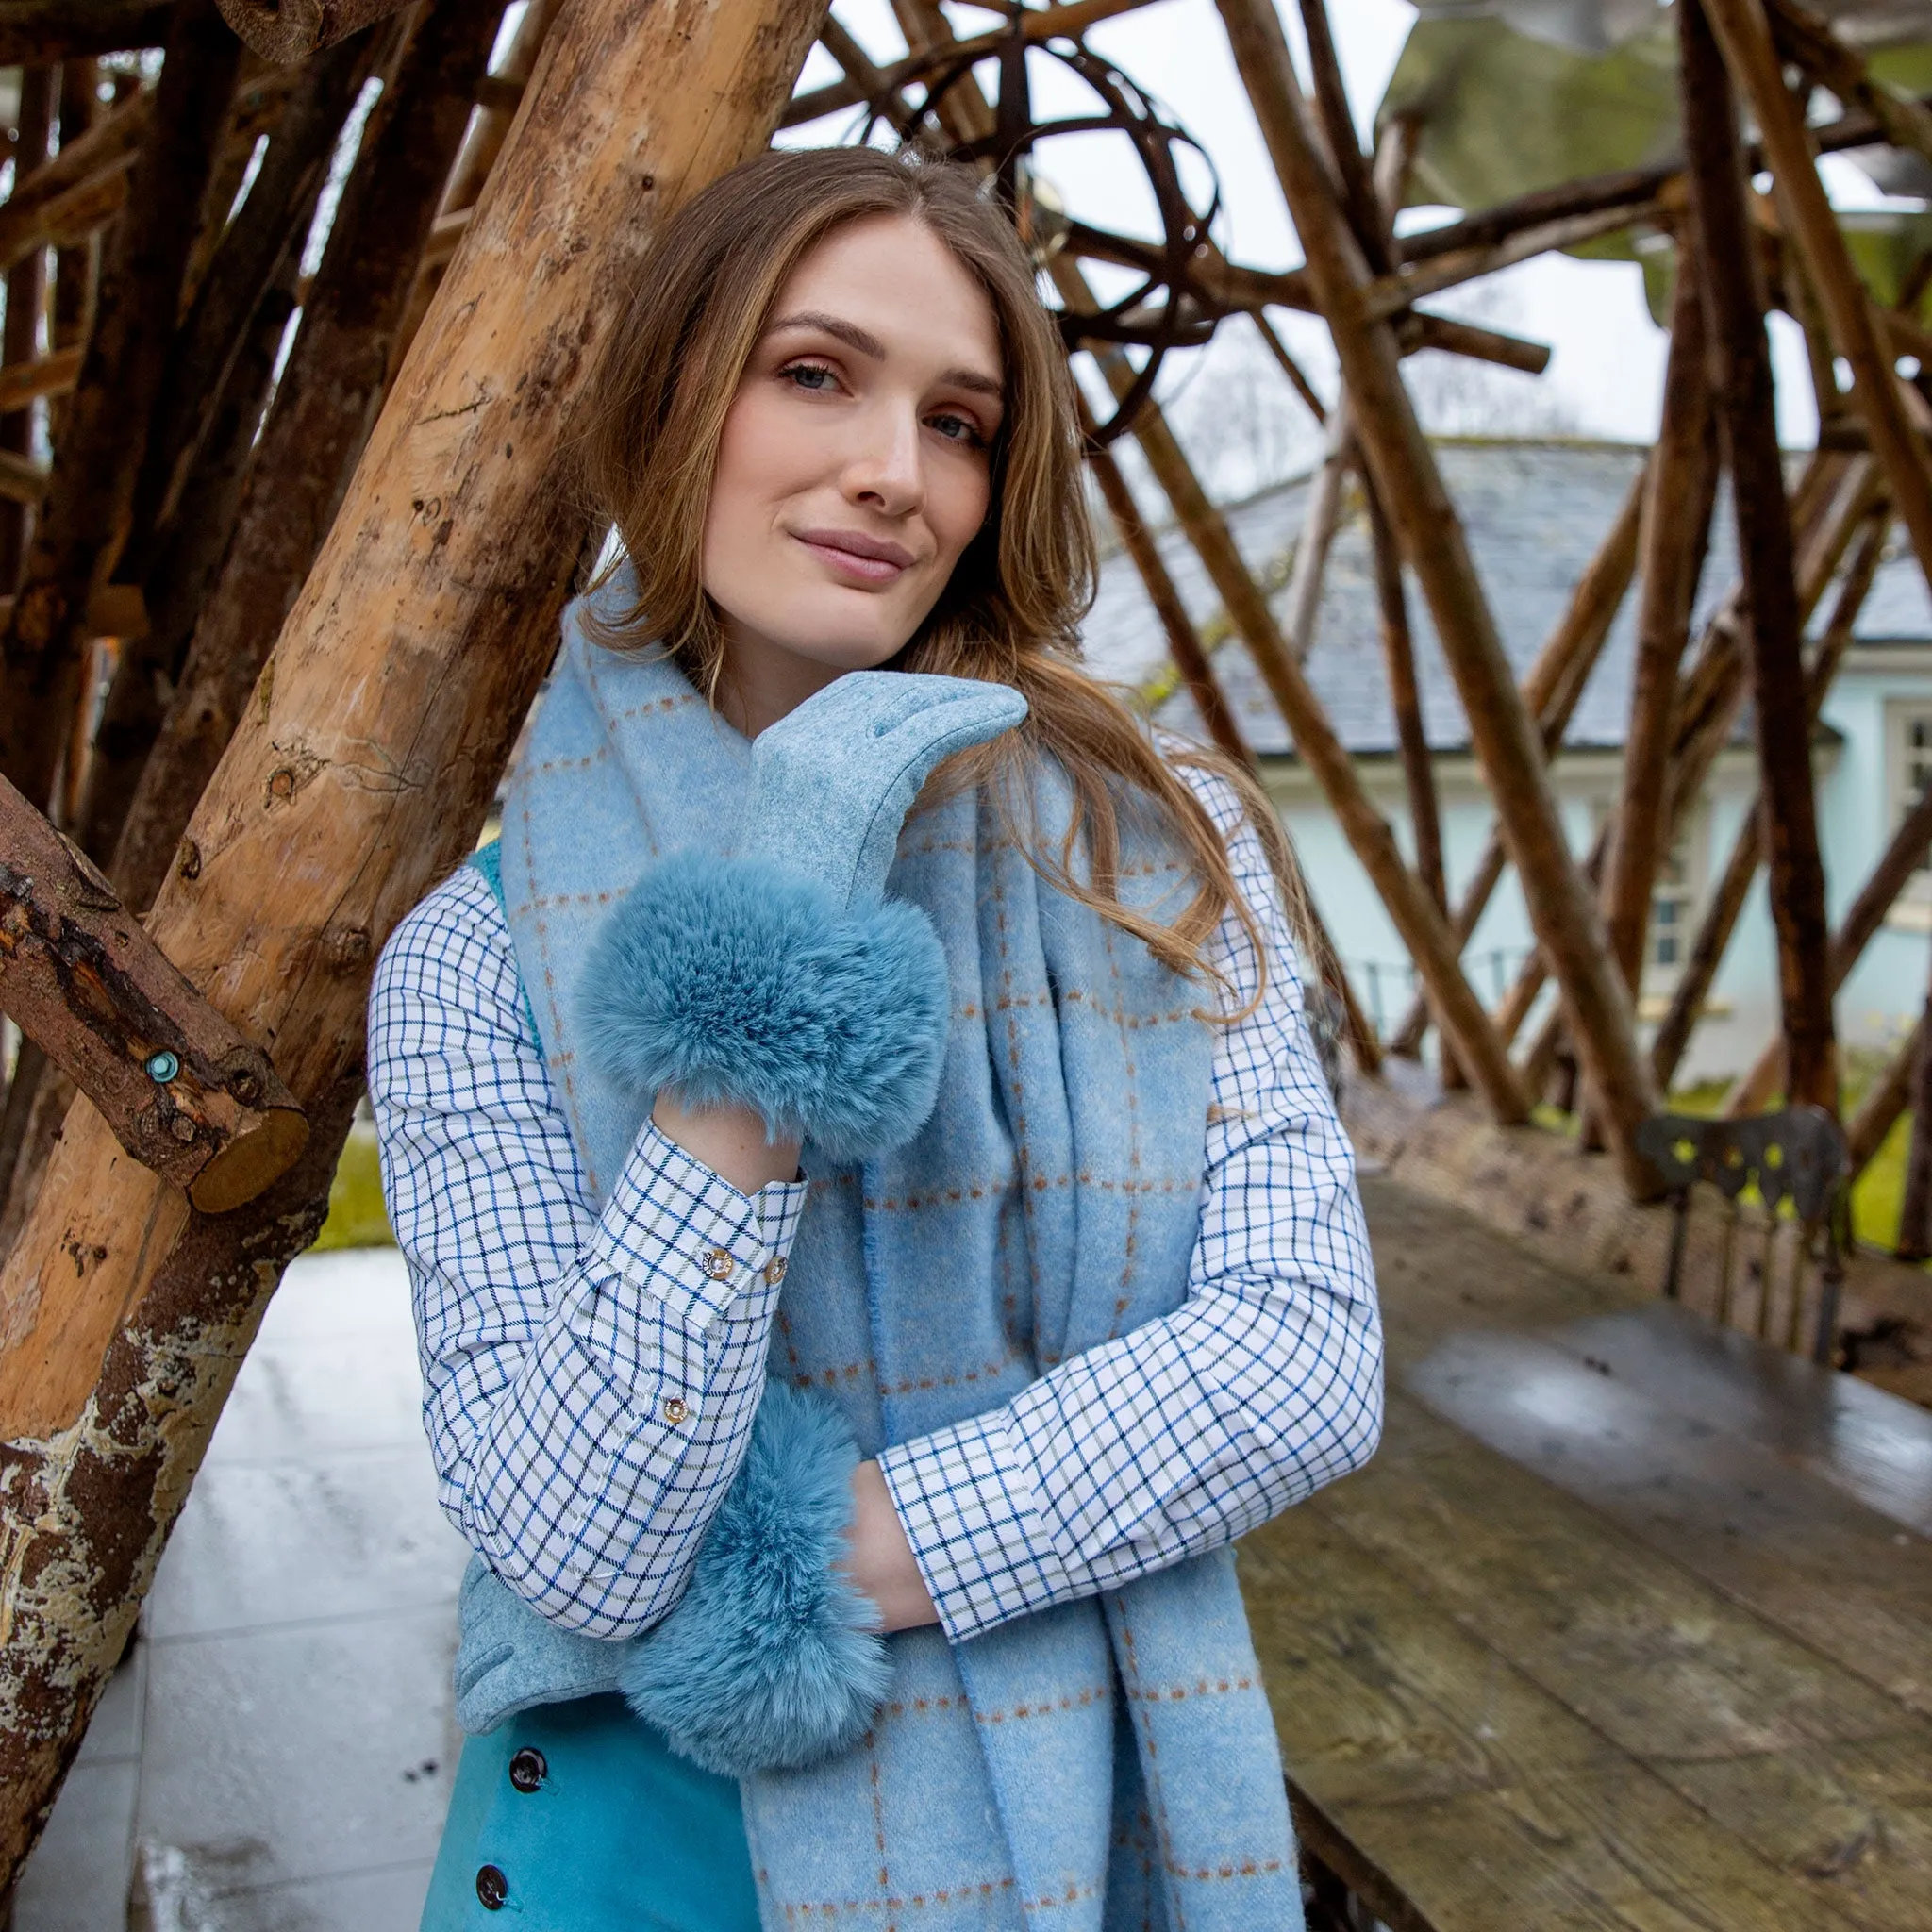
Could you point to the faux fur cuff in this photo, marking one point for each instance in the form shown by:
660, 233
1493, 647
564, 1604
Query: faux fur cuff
770, 1659
735, 982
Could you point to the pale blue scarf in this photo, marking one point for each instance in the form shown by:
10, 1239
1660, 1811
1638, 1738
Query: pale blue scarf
1109, 1763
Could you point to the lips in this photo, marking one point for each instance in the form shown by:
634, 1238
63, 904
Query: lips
855, 554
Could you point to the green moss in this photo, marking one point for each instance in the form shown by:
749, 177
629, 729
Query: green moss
356, 1216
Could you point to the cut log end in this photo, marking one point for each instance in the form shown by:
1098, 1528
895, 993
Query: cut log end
251, 1164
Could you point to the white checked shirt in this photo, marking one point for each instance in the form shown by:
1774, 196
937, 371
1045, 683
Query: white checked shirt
591, 1378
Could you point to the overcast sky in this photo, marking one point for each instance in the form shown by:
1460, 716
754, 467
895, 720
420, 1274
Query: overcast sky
1606, 373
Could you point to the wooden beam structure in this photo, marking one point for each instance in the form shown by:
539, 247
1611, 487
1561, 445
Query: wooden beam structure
1406, 481
1551, 689
1746, 413
1677, 525
400, 679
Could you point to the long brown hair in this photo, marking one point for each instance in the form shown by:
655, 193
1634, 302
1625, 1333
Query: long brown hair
1011, 610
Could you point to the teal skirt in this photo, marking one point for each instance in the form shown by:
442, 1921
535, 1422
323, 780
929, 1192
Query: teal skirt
577, 1817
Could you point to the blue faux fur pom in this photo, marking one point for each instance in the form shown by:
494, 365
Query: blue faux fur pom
772, 1659
733, 981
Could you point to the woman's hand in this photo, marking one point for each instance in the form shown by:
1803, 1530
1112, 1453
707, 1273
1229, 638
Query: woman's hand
731, 1141
881, 1562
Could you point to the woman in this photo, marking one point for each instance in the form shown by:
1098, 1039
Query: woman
900, 1593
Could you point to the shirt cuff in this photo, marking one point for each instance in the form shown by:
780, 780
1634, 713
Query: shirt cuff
678, 1232
964, 1498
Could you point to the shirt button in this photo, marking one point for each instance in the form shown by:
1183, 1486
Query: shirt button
527, 1769
673, 1411
774, 1270
717, 1264
492, 1888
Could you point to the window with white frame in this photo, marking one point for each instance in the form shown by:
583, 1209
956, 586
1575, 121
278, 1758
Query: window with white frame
1675, 900
1908, 774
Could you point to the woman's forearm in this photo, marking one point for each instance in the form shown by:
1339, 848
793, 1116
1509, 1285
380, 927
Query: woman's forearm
731, 1141
881, 1562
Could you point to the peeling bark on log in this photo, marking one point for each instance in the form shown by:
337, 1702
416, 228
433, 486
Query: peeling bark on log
1552, 687
361, 778
1676, 527
1403, 466
177, 530
100, 449
184, 1093
39, 90
37, 33
289, 31
1746, 412
323, 410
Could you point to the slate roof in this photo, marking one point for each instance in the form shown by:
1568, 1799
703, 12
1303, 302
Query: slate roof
1534, 513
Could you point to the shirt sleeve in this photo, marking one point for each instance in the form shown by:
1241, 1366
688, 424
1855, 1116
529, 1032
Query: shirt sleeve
1186, 1433
590, 1379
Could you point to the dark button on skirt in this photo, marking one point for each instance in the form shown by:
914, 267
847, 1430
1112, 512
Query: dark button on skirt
577, 1818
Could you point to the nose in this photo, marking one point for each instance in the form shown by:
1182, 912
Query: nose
886, 470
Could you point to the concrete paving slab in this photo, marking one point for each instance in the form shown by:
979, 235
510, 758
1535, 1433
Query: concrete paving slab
76, 1880
301, 1753
173, 1898
290, 1542
308, 1395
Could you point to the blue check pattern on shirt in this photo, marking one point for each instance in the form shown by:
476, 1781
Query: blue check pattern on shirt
591, 1378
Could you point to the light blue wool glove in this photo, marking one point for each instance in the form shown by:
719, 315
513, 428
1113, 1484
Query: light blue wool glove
782, 980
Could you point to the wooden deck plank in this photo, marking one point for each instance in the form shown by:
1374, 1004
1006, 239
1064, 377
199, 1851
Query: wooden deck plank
1768, 1532
1653, 1657
1457, 1794
1867, 1443
1610, 1635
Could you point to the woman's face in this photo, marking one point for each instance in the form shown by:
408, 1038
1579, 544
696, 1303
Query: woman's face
854, 466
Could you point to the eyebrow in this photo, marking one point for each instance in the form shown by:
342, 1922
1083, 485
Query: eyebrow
868, 344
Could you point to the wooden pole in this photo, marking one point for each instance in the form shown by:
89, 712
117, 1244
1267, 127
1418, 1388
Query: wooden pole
316, 426
1321, 516
488, 130
1358, 198
1422, 925
1411, 736
289, 31
174, 557
1891, 1095
357, 778
73, 268
39, 89
95, 465
1746, 412
1183, 640
1676, 527
1915, 1208
1806, 38
1751, 57
1727, 902
38, 33
83, 184
1291, 369
1404, 469
1551, 689
1832, 498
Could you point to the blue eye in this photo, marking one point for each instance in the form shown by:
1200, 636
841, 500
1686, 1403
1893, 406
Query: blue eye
813, 376
959, 430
